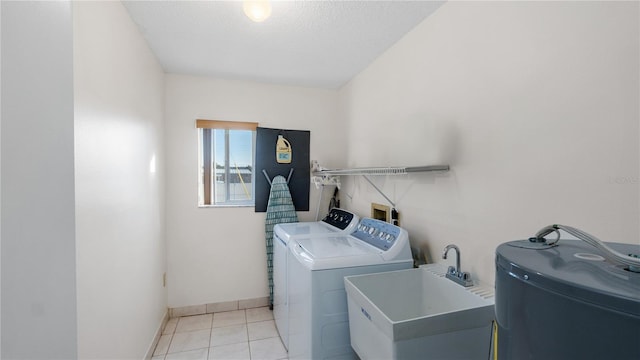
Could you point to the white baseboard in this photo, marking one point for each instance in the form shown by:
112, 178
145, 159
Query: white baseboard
218, 307
156, 338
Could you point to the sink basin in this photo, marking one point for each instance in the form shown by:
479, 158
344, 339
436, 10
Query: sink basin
420, 314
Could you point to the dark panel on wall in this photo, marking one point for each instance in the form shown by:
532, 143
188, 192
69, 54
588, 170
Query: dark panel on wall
299, 183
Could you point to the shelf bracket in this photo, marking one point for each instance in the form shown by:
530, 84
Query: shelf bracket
379, 191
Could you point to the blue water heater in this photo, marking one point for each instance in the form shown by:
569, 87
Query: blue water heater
566, 302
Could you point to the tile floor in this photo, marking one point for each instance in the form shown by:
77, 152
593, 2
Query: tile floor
240, 334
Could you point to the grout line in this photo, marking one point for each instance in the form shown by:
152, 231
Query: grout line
170, 342
210, 330
169, 345
248, 339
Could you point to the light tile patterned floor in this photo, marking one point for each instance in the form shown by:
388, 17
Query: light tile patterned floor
240, 334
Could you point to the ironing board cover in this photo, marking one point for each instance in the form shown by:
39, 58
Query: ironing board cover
280, 209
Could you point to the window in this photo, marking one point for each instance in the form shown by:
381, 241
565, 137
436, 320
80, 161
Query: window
226, 162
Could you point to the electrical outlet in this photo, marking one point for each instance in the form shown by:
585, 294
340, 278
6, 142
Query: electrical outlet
164, 279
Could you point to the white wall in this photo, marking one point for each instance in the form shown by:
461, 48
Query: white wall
38, 241
0, 182
218, 254
119, 184
535, 106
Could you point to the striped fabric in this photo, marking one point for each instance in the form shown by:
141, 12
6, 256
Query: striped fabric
280, 210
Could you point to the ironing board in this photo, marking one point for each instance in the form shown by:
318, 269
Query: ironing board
280, 210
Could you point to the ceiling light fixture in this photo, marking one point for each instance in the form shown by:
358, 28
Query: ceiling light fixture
257, 10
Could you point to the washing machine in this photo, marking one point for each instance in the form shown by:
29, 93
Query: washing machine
337, 221
318, 315
566, 302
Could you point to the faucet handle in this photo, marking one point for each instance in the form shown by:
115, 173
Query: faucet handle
461, 277
452, 270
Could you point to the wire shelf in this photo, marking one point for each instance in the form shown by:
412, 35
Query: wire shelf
382, 170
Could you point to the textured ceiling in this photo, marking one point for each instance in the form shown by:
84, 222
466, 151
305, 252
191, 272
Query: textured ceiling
304, 43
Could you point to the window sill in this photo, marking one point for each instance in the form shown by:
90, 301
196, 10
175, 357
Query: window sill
225, 206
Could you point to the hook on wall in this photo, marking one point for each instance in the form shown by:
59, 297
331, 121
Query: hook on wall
266, 175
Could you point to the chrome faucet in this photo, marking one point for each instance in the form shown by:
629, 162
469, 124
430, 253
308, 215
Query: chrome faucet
456, 274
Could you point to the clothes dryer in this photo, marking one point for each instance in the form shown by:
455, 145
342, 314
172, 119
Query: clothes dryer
337, 221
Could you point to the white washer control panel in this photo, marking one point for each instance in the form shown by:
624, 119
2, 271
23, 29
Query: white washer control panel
377, 233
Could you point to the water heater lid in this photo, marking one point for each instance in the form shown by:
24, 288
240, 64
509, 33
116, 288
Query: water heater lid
577, 270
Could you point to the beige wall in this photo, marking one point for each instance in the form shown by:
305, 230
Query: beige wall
218, 254
533, 104
119, 160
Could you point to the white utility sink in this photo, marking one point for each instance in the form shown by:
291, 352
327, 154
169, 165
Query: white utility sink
418, 314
